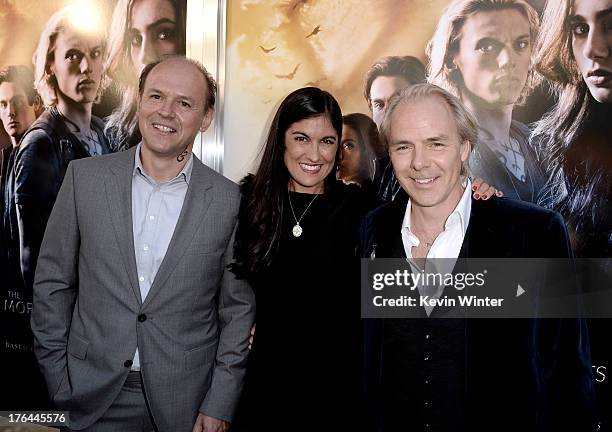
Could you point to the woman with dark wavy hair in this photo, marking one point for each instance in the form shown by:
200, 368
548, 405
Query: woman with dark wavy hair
295, 243
574, 53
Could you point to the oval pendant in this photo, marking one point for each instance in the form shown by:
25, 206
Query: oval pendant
297, 230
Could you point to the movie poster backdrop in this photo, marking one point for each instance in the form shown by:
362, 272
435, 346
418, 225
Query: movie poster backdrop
271, 47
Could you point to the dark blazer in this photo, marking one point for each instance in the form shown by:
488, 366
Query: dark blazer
512, 374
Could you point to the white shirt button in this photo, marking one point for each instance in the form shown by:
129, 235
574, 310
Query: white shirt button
151, 217
146, 247
141, 278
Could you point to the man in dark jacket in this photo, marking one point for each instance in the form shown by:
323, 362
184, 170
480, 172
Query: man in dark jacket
19, 107
464, 374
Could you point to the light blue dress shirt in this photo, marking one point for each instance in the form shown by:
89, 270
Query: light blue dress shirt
156, 208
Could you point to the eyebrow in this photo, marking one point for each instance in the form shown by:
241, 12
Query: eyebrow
400, 142
179, 96
156, 23
599, 15
436, 138
306, 135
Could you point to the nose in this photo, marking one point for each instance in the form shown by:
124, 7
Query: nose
596, 46
506, 59
312, 152
11, 110
148, 53
419, 158
166, 108
85, 64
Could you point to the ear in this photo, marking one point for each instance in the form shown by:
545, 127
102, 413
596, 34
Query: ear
465, 150
207, 120
37, 105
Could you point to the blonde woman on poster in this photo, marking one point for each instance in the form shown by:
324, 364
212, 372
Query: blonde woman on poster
481, 52
68, 76
141, 32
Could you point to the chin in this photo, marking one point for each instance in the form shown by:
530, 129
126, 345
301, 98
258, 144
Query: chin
603, 96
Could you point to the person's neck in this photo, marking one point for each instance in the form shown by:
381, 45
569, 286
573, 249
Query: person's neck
431, 220
162, 168
78, 114
15, 140
495, 119
314, 190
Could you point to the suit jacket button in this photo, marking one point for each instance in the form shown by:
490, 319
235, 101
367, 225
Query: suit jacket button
128, 363
142, 318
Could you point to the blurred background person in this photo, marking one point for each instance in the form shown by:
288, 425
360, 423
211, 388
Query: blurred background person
386, 76
360, 148
69, 78
295, 243
19, 107
141, 32
481, 51
574, 52
23, 384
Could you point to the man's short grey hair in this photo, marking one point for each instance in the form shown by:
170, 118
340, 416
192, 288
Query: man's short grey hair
467, 126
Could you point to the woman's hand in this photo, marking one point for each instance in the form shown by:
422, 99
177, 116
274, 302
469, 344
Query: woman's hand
482, 190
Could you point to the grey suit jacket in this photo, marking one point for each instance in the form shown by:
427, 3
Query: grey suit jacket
88, 317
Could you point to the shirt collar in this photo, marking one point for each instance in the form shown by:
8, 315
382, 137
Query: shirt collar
460, 215
185, 172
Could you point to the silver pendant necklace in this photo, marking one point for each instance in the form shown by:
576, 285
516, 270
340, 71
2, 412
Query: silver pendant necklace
297, 230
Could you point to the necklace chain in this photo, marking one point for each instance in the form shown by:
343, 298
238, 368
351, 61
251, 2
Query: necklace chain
297, 229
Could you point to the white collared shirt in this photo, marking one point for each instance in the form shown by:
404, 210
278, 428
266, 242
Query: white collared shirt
446, 245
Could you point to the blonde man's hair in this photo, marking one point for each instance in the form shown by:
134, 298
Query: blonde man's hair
44, 81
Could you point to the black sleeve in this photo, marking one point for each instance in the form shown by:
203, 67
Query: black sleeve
37, 181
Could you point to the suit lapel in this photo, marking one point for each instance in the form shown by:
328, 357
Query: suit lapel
483, 233
119, 195
197, 201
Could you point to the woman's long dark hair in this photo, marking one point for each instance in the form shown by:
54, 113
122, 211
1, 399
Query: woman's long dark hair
265, 192
573, 139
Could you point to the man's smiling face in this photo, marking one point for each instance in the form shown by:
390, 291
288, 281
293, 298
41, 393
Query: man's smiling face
426, 152
173, 108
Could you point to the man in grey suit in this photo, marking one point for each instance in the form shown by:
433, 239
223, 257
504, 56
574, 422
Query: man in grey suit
138, 324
